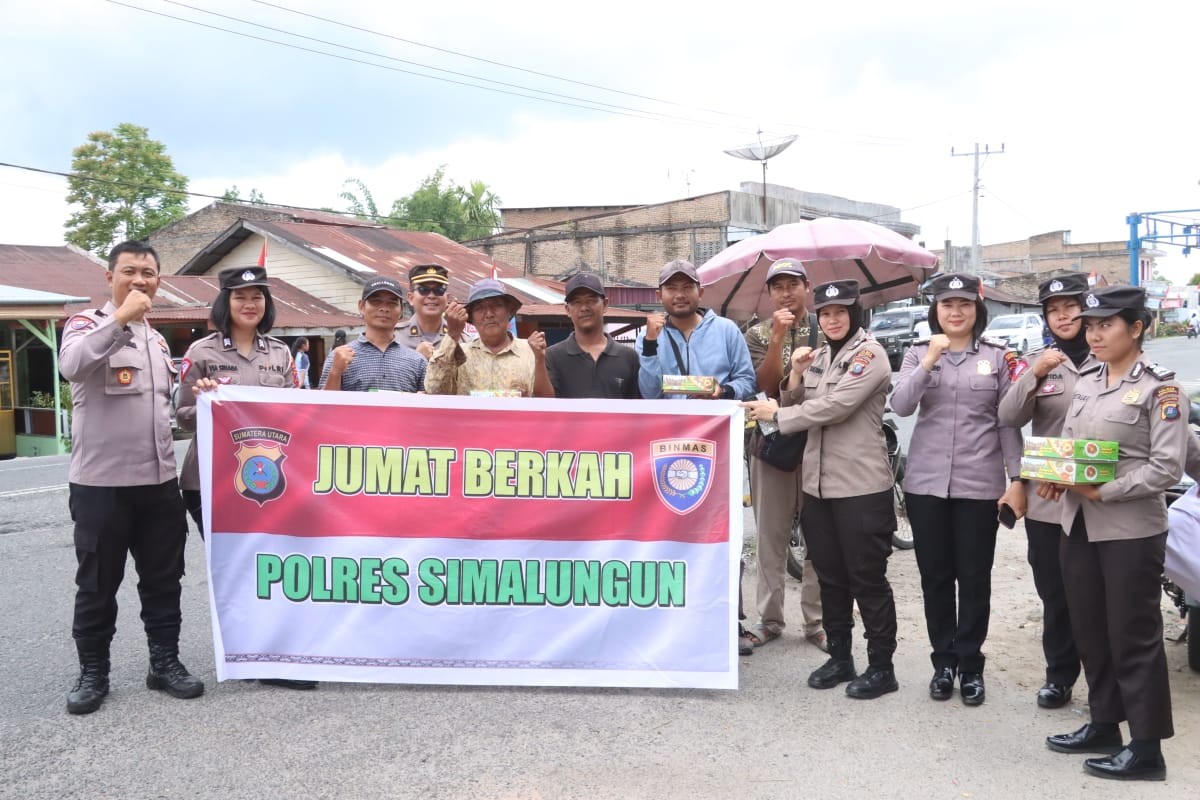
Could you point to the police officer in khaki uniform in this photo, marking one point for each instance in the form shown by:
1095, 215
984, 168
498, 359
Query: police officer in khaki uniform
428, 287
1042, 394
124, 497
837, 394
1116, 532
776, 493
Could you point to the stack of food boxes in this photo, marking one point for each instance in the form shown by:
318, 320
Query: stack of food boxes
1072, 461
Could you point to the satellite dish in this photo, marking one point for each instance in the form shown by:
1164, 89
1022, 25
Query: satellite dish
762, 151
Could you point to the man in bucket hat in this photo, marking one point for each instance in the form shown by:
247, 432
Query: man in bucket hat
497, 363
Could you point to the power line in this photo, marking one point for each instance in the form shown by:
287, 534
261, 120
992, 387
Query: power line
393, 37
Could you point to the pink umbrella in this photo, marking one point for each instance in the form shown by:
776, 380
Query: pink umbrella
886, 265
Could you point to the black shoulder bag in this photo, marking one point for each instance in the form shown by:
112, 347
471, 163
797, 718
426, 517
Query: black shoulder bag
785, 451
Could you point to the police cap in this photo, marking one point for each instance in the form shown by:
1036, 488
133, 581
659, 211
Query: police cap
241, 277
1069, 285
1109, 300
835, 293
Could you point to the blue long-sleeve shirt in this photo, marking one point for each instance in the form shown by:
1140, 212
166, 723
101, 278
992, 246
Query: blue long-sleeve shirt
716, 347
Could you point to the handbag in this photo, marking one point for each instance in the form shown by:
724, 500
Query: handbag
781, 450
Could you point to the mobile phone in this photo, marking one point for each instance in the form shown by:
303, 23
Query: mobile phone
1006, 516
766, 426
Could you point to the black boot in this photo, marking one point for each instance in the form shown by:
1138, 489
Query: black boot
168, 675
840, 666
878, 680
92, 686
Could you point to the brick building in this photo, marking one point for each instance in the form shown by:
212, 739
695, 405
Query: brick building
626, 245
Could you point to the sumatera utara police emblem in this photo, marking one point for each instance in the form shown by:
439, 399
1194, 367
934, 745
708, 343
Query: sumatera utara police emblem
683, 471
260, 456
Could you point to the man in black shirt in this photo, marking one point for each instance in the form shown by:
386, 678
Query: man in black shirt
589, 362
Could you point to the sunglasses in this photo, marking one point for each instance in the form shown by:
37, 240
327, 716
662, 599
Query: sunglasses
438, 290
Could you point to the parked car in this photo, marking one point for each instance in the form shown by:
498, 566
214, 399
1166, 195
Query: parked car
895, 330
1021, 332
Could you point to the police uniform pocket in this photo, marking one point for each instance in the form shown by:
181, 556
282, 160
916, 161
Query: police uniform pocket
274, 380
811, 379
1125, 415
124, 375
985, 383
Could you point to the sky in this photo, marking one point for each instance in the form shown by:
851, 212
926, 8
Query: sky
624, 103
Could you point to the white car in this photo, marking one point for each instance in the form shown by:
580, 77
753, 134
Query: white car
1022, 332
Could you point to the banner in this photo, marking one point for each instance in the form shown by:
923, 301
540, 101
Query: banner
386, 537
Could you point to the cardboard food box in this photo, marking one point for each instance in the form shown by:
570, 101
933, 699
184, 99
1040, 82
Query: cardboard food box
702, 385
1060, 470
1074, 449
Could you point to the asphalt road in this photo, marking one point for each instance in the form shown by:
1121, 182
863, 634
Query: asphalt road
773, 738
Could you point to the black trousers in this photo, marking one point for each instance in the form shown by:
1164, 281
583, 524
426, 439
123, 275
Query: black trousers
1113, 593
1058, 643
955, 542
849, 541
191, 501
111, 523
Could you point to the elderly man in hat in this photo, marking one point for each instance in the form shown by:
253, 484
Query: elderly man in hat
497, 363
428, 287
589, 362
375, 360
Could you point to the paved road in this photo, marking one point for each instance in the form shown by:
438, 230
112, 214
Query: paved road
774, 738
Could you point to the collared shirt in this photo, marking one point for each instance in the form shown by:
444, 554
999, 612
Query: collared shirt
394, 369
121, 380
1147, 417
463, 369
840, 404
758, 340
574, 373
1044, 402
216, 357
409, 334
959, 448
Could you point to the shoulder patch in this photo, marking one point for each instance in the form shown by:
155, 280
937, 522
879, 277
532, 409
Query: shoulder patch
1016, 365
861, 361
1167, 400
81, 323
1160, 372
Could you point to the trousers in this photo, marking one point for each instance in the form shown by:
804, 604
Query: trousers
777, 499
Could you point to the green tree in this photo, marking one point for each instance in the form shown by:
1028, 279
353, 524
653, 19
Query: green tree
437, 205
125, 186
234, 195
1194, 280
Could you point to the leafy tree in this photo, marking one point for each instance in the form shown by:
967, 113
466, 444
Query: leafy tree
234, 195
437, 205
1194, 280
126, 187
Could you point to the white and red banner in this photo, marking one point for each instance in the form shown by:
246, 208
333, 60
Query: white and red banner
386, 537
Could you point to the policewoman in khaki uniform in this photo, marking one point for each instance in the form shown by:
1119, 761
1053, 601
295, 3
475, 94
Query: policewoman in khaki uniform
1116, 532
238, 353
837, 393
1042, 394
960, 461
124, 498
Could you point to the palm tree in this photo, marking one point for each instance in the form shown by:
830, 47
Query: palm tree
480, 207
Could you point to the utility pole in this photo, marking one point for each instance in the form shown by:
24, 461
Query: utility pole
976, 260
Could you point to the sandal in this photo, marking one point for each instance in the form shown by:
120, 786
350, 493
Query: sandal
745, 643
760, 634
818, 639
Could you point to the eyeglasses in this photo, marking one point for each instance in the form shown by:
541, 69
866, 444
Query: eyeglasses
438, 290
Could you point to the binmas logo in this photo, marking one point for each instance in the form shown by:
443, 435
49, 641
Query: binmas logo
683, 471
260, 456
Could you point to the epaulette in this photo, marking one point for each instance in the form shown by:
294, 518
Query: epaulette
1160, 372
1090, 368
994, 342
922, 340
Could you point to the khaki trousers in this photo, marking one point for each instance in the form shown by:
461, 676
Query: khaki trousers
777, 498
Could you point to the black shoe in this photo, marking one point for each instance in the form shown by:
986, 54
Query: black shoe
167, 674
832, 672
289, 684
1091, 738
1054, 695
92, 686
1125, 766
942, 685
970, 688
873, 683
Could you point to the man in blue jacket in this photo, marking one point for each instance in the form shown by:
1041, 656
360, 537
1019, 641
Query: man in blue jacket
688, 340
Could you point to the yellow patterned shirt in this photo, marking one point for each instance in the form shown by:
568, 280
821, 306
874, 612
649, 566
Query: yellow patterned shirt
472, 368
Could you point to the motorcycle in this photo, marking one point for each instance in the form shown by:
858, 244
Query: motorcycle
902, 537
1187, 605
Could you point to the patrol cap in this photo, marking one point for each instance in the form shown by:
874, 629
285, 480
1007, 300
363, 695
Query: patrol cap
787, 266
835, 293
1068, 285
1109, 300
679, 266
428, 273
585, 281
241, 277
489, 287
382, 284
954, 284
